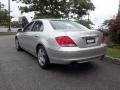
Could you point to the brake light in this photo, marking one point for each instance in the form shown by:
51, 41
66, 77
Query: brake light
65, 41
103, 39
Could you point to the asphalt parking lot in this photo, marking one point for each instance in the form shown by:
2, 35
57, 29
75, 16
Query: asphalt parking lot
20, 71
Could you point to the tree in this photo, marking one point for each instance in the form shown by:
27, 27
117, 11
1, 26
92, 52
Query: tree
114, 29
104, 28
24, 21
15, 24
4, 17
57, 8
86, 23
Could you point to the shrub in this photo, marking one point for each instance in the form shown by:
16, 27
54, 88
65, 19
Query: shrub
114, 29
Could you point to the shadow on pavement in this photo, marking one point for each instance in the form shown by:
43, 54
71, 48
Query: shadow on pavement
68, 68
74, 68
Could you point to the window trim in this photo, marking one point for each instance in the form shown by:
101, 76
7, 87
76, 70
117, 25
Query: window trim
31, 23
82, 27
40, 26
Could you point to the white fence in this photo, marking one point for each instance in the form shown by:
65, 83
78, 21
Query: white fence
3, 29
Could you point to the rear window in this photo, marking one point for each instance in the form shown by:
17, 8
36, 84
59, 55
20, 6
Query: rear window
66, 25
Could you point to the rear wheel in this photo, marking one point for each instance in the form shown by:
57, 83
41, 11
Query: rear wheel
17, 45
42, 56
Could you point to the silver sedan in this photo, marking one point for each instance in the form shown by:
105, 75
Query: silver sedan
60, 41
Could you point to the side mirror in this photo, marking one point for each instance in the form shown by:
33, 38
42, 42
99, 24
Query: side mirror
20, 30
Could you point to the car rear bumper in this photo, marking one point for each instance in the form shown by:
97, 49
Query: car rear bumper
74, 54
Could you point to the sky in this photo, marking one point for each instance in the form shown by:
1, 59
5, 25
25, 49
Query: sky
105, 9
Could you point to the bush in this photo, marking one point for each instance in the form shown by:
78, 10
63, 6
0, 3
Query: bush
114, 29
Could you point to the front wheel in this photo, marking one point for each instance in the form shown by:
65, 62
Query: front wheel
17, 45
42, 57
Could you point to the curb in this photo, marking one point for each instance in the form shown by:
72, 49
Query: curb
113, 60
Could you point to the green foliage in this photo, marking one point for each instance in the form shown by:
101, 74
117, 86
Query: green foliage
15, 24
105, 33
57, 8
4, 17
24, 21
106, 23
86, 23
114, 29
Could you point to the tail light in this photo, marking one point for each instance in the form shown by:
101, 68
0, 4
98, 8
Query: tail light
103, 39
65, 41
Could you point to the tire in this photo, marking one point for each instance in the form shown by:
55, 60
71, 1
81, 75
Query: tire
17, 45
42, 57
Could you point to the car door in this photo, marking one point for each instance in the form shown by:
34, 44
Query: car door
25, 36
34, 36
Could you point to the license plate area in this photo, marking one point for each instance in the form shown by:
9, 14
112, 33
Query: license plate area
90, 40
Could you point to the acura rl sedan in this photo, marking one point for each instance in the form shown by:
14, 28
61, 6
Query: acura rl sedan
60, 41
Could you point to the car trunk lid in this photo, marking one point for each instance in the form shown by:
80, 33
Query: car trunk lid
84, 39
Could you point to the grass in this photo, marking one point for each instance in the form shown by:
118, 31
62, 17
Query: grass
113, 49
112, 52
7, 33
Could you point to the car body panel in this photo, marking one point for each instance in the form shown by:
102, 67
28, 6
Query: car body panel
75, 54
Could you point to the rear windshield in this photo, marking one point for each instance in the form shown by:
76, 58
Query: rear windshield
66, 25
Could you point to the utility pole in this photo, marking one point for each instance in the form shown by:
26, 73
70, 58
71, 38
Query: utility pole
119, 9
9, 28
0, 5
